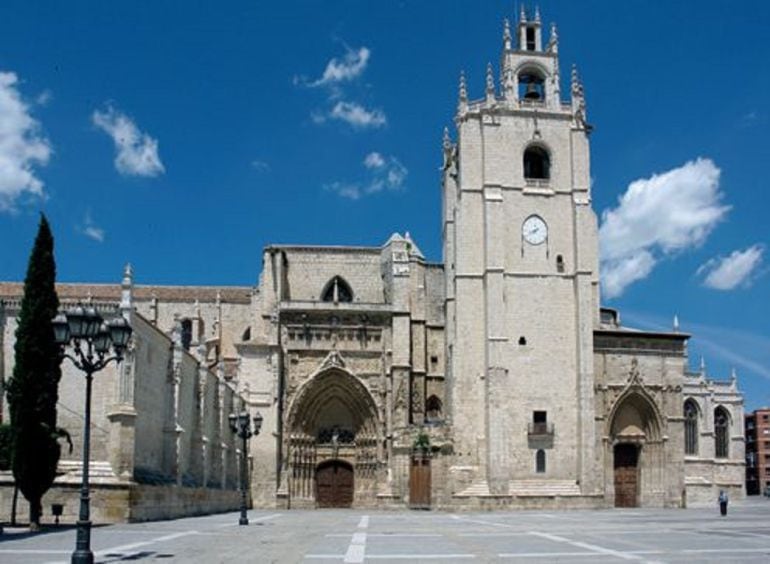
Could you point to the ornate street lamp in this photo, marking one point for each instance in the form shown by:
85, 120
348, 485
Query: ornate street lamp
241, 426
91, 338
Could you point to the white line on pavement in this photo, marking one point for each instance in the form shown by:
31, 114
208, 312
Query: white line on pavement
418, 556
592, 547
565, 554
717, 550
124, 548
34, 551
357, 548
252, 520
132, 546
386, 535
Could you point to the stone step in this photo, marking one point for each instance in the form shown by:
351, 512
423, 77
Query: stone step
96, 468
544, 487
476, 489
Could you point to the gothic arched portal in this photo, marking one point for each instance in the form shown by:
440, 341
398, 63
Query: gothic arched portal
635, 454
332, 427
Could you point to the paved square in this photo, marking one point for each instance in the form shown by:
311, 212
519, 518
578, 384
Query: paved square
347, 536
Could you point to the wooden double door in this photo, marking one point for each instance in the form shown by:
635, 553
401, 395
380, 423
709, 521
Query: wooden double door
626, 464
334, 484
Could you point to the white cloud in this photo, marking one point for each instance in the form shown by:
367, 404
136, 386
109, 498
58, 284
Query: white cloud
357, 116
90, 230
351, 66
382, 174
625, 272
137, 152
374, 160
22, 146
737, 269
656, 217
260, 165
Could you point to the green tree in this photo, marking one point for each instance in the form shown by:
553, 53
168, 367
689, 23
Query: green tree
33, 388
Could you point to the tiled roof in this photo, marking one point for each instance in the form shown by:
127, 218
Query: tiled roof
228, 294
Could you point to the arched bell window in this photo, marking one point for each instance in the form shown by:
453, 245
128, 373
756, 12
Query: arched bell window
721, 433
531, 87
537, 163
337, 290
690, 427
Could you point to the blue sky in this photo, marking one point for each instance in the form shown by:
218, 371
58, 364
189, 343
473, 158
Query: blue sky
241, 124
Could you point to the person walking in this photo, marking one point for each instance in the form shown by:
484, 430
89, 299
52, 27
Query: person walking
722, 502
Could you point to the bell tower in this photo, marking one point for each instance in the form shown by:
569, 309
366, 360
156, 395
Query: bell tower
521, 266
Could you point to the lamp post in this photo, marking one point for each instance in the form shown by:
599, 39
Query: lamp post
241, 426
91, 338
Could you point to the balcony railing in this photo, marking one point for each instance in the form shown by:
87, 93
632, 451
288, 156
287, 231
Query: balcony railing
537, 182
539, 429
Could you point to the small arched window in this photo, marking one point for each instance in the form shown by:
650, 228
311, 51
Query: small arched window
246, 334
433, 408
721, 433
337, 290
537, 163
690, 427
540, 461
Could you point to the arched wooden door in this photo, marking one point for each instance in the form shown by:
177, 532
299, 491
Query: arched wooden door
334, 484
626, 475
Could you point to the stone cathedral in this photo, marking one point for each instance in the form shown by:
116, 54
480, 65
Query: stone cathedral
494, 379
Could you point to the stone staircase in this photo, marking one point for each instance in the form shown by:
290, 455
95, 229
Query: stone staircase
99, 472
525, 488
541, 488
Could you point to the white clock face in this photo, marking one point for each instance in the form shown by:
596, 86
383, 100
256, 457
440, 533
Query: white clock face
534, 230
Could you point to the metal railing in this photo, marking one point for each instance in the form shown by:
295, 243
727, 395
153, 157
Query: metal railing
539, 429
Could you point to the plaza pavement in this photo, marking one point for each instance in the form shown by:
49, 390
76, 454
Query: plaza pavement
355, 536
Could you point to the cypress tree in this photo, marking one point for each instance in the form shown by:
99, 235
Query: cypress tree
33, 388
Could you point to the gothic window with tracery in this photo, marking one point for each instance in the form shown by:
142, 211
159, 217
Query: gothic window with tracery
690, 427
433, 409
721, 426
337, 290
540, 461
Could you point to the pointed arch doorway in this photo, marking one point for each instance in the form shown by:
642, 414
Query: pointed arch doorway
636, 457
332, 446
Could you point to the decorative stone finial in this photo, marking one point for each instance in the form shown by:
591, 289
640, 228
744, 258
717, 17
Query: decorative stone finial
506, 34
506, 79
575, 80
537, 13
553, 40
522, 14
462, 105
490, 81
733, 375
702, 366
446, 141
126, 289
676, 323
